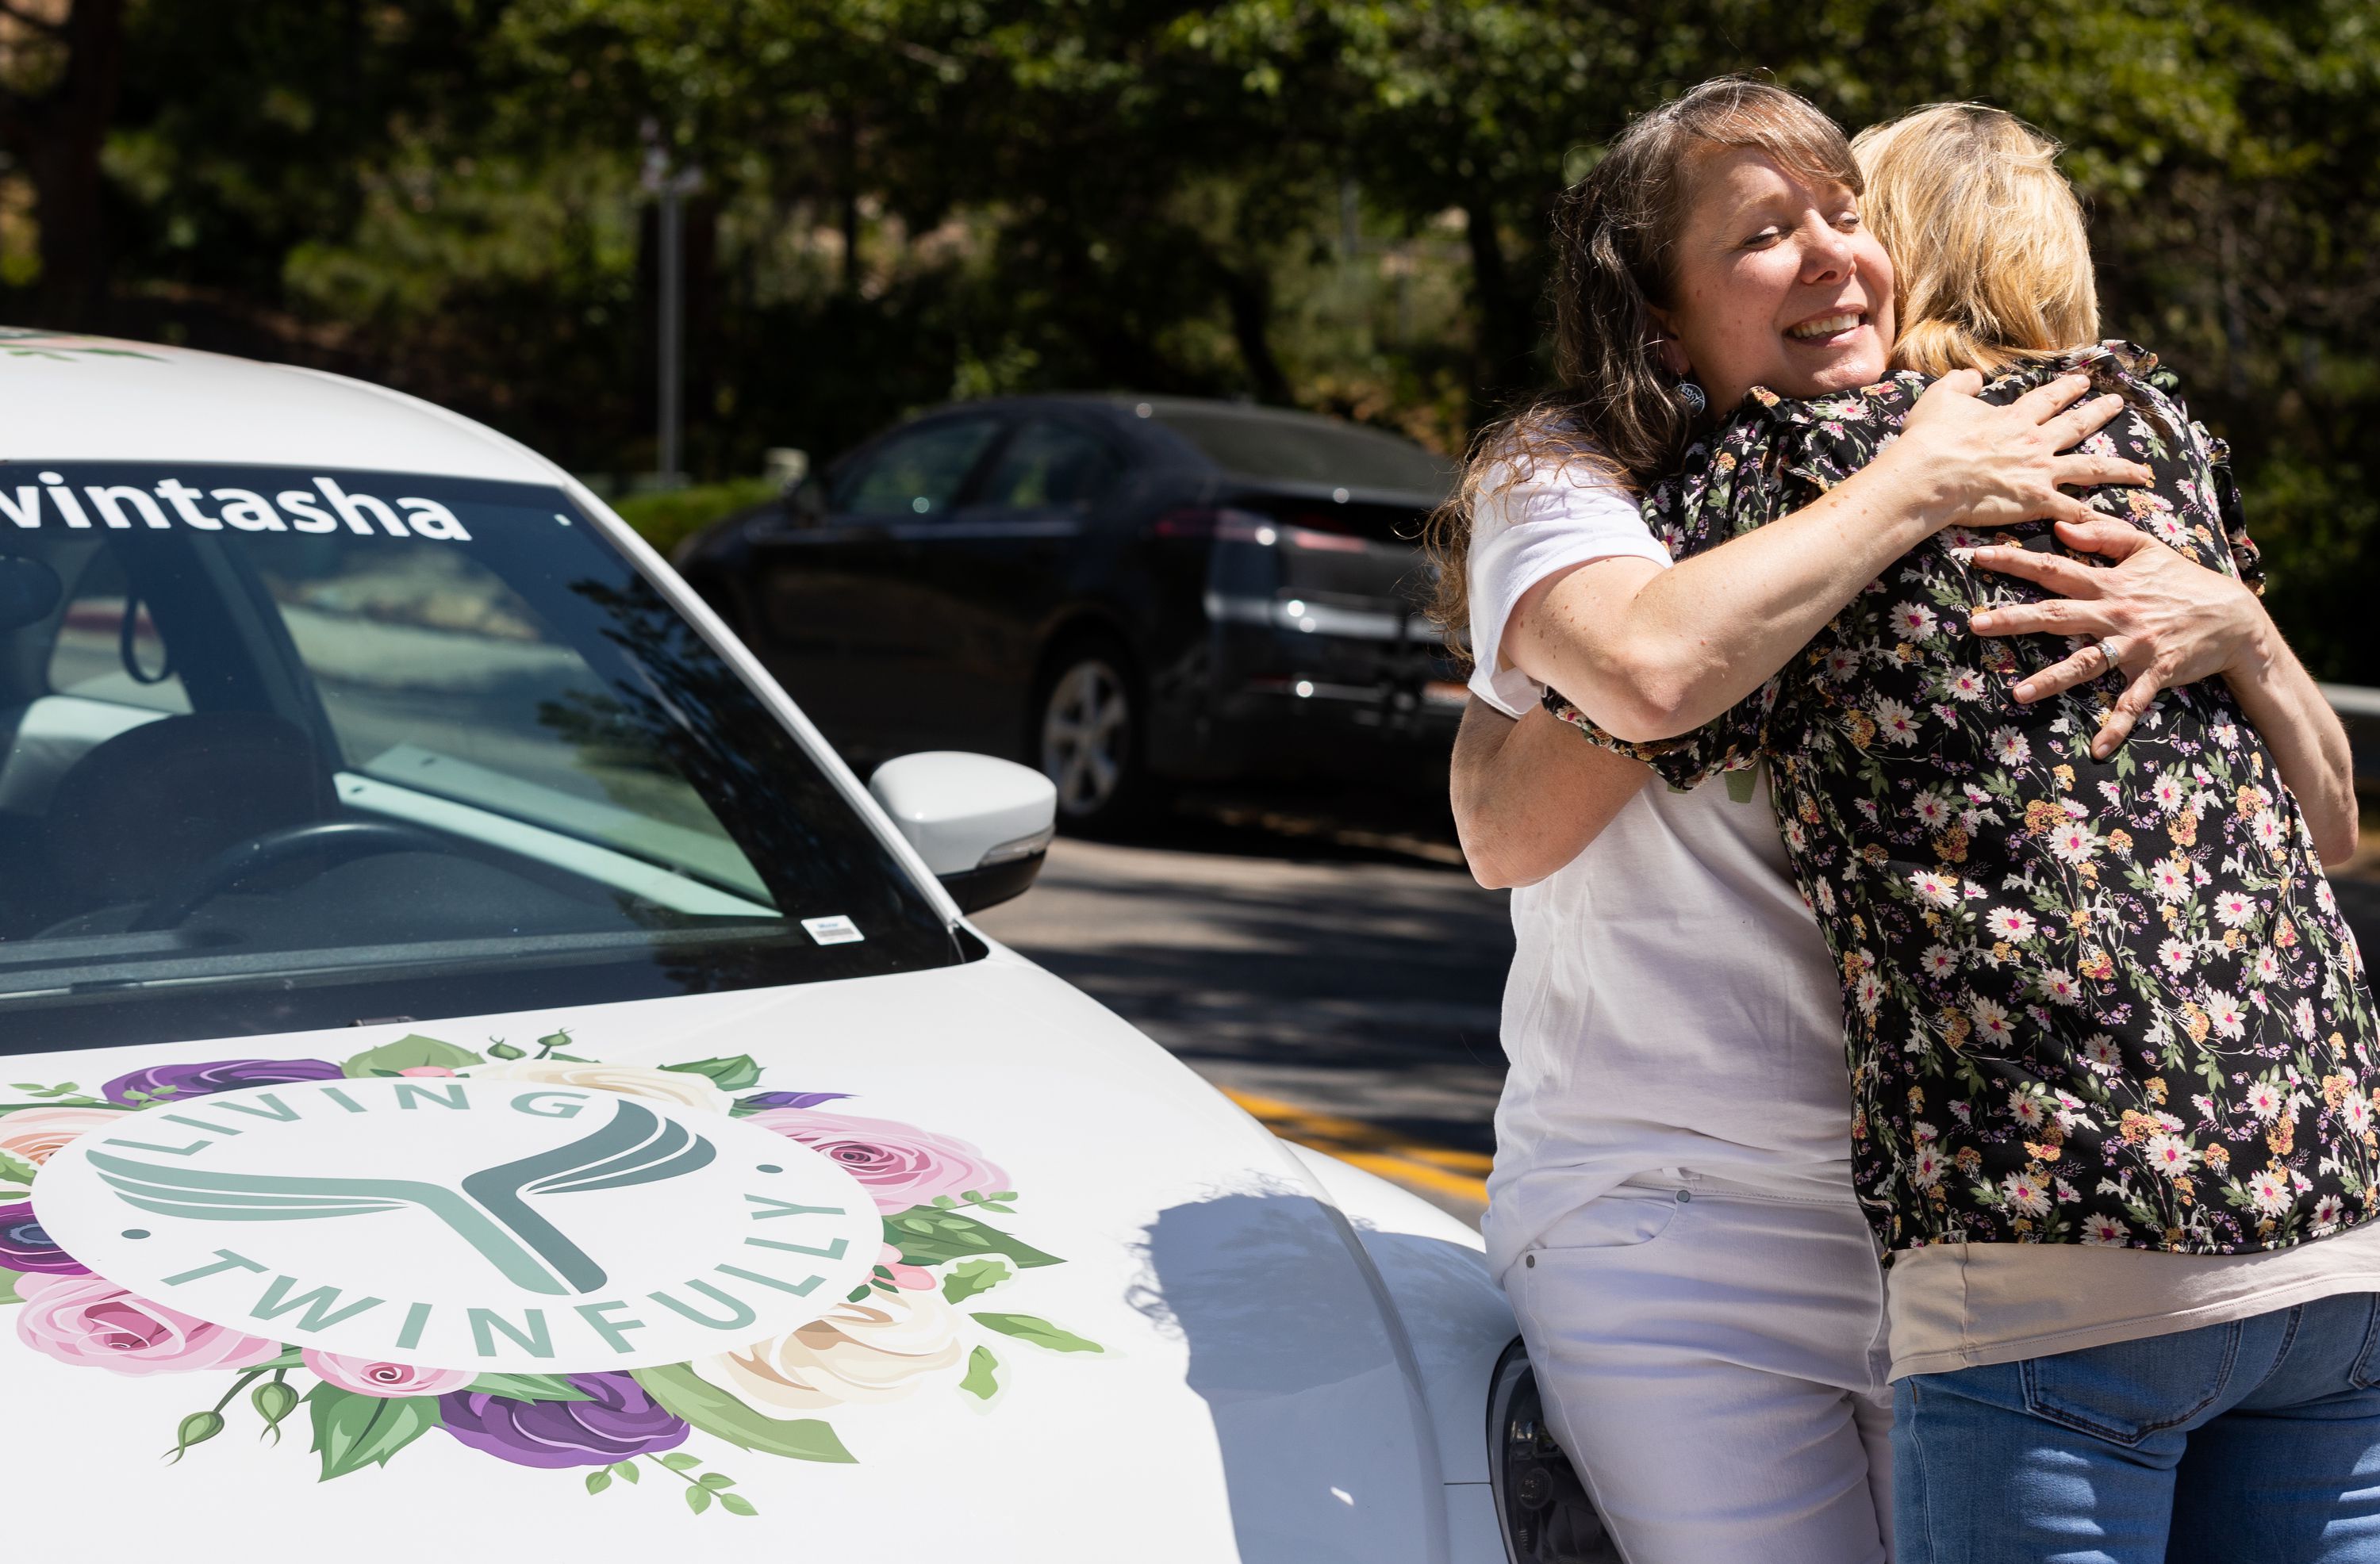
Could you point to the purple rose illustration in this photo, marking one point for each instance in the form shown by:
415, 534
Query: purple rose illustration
220, 1075
790, 1100
621, 1423
24, 1246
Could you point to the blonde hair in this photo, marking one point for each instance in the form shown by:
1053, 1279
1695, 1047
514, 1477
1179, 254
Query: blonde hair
1990, 256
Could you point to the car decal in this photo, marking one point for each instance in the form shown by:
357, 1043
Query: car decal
177, 1160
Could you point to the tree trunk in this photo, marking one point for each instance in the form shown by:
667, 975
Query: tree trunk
56, 137
1248, 295
1505, 324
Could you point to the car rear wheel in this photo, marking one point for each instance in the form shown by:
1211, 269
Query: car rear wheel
1089, 737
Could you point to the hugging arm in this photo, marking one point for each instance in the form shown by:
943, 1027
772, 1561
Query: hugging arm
1649, 653
1528, 796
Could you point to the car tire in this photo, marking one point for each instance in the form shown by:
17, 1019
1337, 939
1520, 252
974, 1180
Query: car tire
1087, 738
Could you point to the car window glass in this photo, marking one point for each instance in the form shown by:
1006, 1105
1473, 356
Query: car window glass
1302, 448
98, 657
916, 472
1049, 464
311, 748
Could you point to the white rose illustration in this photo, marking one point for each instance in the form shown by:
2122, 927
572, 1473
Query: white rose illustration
632, 1080
879, 1348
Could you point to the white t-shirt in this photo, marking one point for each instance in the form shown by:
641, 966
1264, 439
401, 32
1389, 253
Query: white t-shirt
1671, 1003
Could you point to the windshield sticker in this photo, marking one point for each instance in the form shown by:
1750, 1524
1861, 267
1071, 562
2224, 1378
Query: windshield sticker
21, 342
171, 503
556, 1262
832, 930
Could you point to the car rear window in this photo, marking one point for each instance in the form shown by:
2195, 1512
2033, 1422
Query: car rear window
289, 748
1285, 448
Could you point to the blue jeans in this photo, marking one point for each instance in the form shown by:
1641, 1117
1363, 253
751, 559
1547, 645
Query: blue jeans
2256, 1442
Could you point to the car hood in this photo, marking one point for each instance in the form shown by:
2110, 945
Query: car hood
1024, 1287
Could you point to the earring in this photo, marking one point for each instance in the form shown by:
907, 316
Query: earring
1694, 398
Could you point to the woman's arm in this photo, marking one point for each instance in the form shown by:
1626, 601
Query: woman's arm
2174, 621
1650, 653
1528, 796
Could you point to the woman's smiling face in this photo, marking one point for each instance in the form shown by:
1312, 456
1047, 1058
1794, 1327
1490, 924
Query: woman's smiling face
1776, 284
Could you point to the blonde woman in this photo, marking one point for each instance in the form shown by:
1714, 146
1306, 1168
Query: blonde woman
1620, 633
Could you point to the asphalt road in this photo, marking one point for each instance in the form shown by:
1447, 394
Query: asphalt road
1343, 981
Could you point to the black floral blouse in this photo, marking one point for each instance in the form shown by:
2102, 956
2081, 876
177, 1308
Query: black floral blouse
2086, 1002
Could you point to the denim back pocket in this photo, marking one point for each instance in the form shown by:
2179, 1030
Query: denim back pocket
2128, 1390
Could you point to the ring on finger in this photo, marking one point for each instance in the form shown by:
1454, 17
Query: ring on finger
2108, 649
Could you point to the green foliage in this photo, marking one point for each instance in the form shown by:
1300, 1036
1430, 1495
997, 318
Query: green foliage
681, 1390
528, 1387
735, 1074
982, 1379
1336, 203
670, 517
352, 1432
927, 1235
970, 1278
1040, 1332
411, 1052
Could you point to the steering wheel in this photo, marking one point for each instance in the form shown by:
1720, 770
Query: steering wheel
337, 842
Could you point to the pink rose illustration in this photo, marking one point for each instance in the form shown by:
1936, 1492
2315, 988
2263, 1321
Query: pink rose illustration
90, 1320
390, 1381
899, 1165
33, 1135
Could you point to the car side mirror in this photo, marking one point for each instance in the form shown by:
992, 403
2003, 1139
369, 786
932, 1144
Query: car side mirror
806, 504
982, 825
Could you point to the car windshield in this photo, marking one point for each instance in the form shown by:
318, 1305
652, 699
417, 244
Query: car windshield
291, 748
1282, 448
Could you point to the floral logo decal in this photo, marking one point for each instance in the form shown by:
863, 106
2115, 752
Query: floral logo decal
911, 1328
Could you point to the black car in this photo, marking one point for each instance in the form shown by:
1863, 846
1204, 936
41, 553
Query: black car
1127, 591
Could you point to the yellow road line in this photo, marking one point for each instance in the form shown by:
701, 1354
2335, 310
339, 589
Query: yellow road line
1440, 1168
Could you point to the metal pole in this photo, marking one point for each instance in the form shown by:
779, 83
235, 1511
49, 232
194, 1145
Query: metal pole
672, 322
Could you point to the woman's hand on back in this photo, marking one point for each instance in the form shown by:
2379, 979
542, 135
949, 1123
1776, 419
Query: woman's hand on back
1968, 462
2173, 621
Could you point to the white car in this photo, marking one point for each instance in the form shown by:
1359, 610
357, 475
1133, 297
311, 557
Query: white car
484, 1080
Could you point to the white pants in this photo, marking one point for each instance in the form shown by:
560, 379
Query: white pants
1712, 1358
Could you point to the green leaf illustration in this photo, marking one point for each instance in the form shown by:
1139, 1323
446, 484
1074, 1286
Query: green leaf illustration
681, 1390
500, 1050
9, 1293
735, 1504
717, 1480
698, 1499
411, 1052
736, 1074
928, 1237
626, 1470
1040, 1332
527, 1387
982, 1377
352, 1432
970, 1278
680, 1462
599, 1480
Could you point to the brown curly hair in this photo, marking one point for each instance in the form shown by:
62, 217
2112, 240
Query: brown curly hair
1614, 406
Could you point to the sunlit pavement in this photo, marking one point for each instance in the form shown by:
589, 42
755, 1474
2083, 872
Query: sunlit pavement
1341, 984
